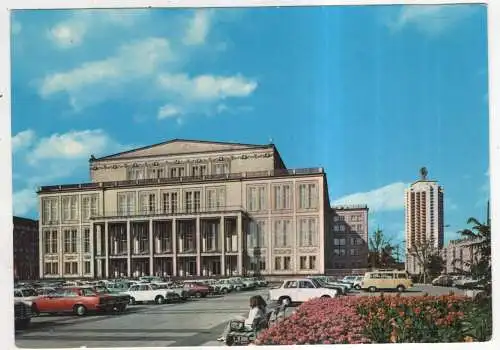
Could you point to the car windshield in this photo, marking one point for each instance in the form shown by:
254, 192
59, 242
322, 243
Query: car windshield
29, 293
88, 292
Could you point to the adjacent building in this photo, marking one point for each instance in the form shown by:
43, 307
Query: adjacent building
424, 221
26, 250
348, 239
187, 208
460, 254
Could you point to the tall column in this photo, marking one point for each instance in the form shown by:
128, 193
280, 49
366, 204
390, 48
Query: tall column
198, 248
129, 259
240, 243
41, 253
222, 233
106, 246
174, 247
151, 247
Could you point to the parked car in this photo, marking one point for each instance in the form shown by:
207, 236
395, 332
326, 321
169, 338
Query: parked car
178, 292
466, 282
197, 290
27, 295
443, 280
45, 291
223, 286
22, 314
145, 292
299, 290
386, 280
341, 290
357, 282
121, 299
78, 300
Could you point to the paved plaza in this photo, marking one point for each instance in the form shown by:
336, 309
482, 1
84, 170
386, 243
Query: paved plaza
194, 323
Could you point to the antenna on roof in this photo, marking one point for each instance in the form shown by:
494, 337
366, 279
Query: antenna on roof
423, 173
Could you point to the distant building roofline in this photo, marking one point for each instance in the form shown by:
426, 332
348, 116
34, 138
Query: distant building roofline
350, 207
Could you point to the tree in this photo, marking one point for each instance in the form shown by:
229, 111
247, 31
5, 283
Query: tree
480, 237
378, 246
427, 257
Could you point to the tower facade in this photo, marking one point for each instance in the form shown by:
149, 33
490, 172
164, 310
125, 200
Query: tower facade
424, 219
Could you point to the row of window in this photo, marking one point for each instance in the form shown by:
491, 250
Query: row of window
349, 218
70, 241
343, 252
282, 233
282, 197
68, 211
70, 268
348, 228
173, 171
283, 263
345, 241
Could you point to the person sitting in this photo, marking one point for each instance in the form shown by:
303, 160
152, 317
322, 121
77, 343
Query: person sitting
257, 311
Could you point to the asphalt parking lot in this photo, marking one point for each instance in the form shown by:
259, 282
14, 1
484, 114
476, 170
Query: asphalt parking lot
193, 323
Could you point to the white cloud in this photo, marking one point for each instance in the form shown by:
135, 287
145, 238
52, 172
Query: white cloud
207, 87
169, 111
24, 201
56, 157
432, 19
386, 198
97, 80
73, 145
198, 28
22, 140
72, 32
67, 34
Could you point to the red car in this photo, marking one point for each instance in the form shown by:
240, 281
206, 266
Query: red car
197, 290
73, 299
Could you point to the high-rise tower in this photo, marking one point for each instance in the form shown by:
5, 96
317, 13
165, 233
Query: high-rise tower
423, 217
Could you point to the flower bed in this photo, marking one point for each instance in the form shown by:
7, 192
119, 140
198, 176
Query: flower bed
381, 319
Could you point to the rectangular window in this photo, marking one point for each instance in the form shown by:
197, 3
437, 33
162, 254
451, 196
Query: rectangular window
177, 171
198, 170
303, 262
51, 268
86, 267
74, 240
308, 232
86, 240
262, 263
221, 168
312, 262
282, 233
354, 252
287, 263
126, 203
67, 241
282, 197
66, 208
94, 206
308, 196
256, 198
169, 202
54, 242
197, 201
277, 263
85, 208
147, 203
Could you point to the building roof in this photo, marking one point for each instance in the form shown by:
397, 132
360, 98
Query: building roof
350, 207
181, 146
18, 219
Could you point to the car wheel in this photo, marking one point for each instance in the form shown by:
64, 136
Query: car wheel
122, 307
372, 289
160, 300
229, 340
132, 301
401, 289
80, 310
197, 294
225, 291
238, 288
34, 310
357, 287
286, 301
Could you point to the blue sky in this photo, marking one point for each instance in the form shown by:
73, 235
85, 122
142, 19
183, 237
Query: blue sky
371, 93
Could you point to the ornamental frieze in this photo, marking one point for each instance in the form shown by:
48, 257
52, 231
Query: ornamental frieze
307, 250
283, 251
